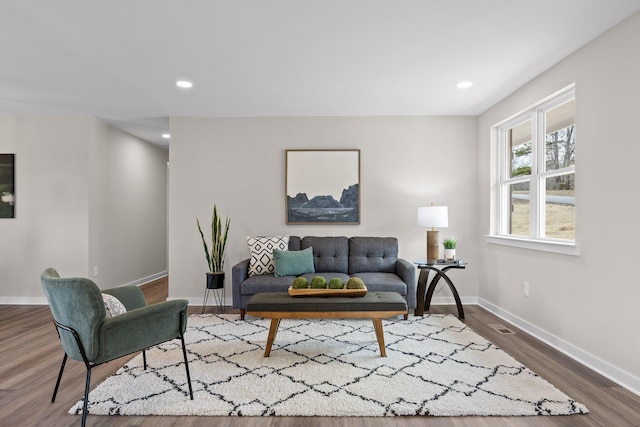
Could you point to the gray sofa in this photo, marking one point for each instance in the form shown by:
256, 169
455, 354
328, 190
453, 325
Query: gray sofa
373, 259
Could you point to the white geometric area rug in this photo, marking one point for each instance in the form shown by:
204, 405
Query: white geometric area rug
435, 365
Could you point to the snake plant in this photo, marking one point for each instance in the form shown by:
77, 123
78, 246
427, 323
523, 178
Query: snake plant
215, 258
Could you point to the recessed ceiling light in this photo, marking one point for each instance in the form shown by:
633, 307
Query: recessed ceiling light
464, 85
185, 84
166, 135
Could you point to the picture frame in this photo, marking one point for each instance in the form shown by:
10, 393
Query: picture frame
7, 186
322, 187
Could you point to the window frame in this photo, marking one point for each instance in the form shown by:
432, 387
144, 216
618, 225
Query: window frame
500, 233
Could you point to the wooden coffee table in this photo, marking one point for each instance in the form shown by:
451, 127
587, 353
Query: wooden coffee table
374, 305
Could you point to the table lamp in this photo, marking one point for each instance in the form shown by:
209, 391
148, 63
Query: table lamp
433, 216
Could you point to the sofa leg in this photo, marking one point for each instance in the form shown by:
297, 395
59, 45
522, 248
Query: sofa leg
406, 316
242, 312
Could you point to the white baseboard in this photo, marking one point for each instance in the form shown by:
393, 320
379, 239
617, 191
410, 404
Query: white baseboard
23, 301
147, 279
598, 365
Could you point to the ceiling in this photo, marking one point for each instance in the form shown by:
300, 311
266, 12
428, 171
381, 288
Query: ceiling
118, 60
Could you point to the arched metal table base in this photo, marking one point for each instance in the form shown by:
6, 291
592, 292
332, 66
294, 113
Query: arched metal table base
424, 302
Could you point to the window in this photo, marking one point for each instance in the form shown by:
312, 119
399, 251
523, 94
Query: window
536, 184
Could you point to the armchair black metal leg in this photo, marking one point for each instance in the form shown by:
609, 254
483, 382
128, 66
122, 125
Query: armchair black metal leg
144, 358
55, 390
184, 352
186, 365
85, 404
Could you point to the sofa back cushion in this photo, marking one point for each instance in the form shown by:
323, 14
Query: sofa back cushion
373, 254
330, 254
294, 243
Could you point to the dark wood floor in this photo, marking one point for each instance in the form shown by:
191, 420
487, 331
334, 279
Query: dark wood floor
31, 356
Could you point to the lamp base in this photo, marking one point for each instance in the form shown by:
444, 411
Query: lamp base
433, 245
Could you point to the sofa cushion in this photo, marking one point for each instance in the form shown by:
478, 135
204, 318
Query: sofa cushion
372, 254
292, 263
261, 249
294, 243
271, 283
329, 253
383, 282
266, 283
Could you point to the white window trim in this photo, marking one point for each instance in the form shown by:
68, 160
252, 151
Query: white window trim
567, 247
558, 247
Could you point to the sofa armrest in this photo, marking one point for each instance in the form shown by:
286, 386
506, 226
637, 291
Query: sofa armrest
239, 274
407, 272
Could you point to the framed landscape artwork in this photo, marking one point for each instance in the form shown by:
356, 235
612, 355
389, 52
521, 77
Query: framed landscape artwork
322, 186
7, 186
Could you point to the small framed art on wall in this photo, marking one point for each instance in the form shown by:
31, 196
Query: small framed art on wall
7, 186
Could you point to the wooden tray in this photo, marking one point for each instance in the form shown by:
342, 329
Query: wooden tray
309, 292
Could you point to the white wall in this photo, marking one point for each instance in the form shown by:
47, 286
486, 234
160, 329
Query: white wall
52, 203
588, 303
86, 194
239, 164
127, 227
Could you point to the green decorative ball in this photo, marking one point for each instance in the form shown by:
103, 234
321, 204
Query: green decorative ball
319, 282
300, 283
355, 283
336, 283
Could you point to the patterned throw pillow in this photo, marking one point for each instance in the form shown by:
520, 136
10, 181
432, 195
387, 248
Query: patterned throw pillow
112, 305
261, 249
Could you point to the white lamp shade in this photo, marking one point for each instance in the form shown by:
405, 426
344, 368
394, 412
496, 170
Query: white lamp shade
433, 216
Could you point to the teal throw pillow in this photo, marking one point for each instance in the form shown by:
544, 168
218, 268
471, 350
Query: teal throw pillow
293, 263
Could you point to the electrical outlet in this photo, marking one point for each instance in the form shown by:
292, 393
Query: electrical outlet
526, 289
95, 271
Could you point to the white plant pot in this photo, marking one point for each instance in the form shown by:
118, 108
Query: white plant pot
449, 254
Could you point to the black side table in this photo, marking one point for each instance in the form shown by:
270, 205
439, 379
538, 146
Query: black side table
439, 268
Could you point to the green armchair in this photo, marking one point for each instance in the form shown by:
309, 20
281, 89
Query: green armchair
89, 336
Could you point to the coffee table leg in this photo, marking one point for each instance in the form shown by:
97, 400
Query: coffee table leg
377, 325
273, 330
